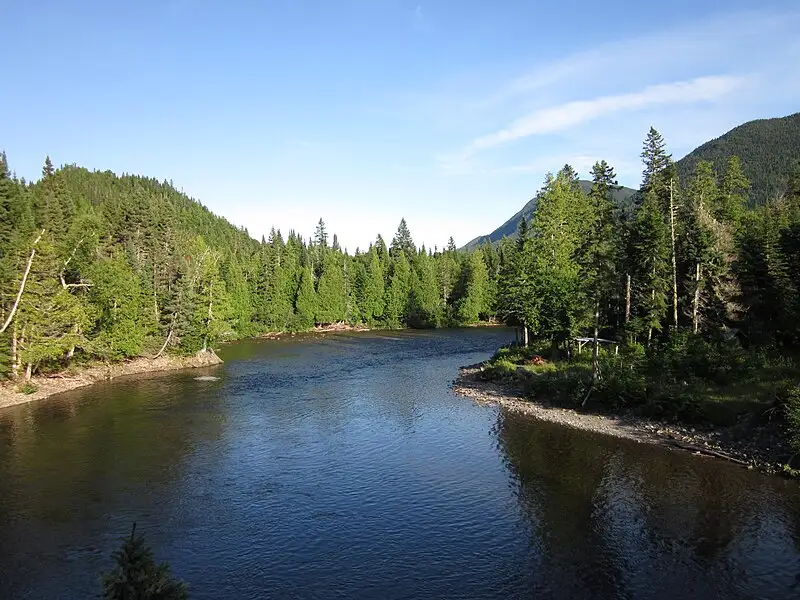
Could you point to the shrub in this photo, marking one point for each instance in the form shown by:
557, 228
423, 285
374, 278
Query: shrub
792, 415
27, 388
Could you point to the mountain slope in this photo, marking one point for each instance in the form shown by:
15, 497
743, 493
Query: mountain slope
768, 149
509, 228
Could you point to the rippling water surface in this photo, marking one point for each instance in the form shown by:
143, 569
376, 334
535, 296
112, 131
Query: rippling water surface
344, 467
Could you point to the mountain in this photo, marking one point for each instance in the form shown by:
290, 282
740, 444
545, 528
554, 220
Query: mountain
509, 228
768, 148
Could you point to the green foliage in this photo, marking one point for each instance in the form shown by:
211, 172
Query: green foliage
476, 301
306, 302
768, 148
27, 388
138, 576
792, 416
331, 291
397, 292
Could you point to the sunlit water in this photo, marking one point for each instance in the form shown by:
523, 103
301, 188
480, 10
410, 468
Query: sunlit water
344, 467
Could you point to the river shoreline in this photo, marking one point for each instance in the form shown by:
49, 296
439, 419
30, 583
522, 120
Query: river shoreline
749, 447
50, 385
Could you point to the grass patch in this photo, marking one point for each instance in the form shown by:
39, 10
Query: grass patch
687, 379
27, 388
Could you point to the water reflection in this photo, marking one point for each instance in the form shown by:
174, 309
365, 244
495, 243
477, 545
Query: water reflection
344, 467
617, 519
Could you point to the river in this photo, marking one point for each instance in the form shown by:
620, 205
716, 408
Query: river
344, 467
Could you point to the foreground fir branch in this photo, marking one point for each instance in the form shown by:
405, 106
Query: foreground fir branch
138, 577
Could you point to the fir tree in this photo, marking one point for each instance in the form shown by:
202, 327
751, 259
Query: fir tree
655, 158
397, 292
424, 304
733, 192
371, 289
650, 255
475, 302
305, 305
559, 225
331, 293
136, 575
402, 241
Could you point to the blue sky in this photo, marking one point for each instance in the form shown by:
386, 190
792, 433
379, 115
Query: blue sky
448, 113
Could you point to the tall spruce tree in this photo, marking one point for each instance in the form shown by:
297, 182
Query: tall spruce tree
598, 257
402, 241
331, 293
475, 302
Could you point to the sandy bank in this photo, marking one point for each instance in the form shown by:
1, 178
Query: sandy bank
49, 385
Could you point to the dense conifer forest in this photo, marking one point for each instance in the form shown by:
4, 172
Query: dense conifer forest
97, 266
697, 284
768, 148
94, 266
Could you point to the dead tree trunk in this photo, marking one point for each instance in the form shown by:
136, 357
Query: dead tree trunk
672, 209
14, 353
22, 284
628, 299
696, 302
210, 315
595, 344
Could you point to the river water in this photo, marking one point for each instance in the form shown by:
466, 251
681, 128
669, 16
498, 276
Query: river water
344, 467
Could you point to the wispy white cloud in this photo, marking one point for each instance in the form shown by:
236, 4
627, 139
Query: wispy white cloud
421, 21
572, 114
558, 118
744, 37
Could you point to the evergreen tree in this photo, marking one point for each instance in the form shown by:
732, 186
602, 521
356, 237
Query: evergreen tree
650, 255
321, 235
424, 305
331, 293
117, 300
402, 241
397, 292
371, 289
655, 159
598, 257
475, 302
515, 286
733, 192
559, 225
305, 305
136, 575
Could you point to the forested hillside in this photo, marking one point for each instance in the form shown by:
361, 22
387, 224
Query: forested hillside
621, 196
97, 266
767, 148
699, 291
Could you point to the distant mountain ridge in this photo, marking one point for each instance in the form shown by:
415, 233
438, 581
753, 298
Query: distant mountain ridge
768, 149
509, 228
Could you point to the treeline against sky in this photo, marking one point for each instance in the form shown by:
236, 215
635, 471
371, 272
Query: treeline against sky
116, 267
99, 266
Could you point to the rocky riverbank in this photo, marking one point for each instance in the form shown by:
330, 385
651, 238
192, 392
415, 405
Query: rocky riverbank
48, 385
751, 446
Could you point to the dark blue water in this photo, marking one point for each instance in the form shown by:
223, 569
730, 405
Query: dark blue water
344, 467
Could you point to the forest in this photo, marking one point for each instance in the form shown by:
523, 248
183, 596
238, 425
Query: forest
96, 267
695, 283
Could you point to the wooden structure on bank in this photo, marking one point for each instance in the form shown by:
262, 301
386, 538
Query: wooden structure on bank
582, 341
